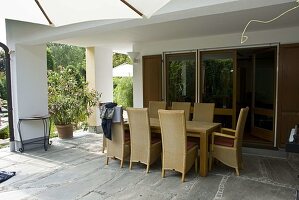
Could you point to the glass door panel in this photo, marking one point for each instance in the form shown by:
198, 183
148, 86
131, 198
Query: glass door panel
180, 77
218, 84
263, 98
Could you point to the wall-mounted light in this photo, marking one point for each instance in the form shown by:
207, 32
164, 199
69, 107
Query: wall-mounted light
134, 56
244, 37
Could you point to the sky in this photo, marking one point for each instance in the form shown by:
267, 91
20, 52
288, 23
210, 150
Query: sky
2, 31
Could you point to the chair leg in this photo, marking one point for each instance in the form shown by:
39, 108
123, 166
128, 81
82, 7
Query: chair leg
122, 163
147, 168
183, 177
163, 173
107, 160
237, 172
130, 164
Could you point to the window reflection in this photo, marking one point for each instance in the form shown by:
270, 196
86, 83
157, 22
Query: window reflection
180, 73
264, 80
264, 122
217, 79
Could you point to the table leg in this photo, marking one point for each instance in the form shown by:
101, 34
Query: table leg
203, 154
20, 135
45, 124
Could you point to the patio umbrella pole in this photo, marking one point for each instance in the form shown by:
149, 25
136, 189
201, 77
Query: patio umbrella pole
132, 7
9, 103
43, 11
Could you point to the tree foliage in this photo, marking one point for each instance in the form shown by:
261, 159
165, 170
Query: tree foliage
66, 55
123, 86
3, 84
218, 82
178, 81
2, 60
123, 91
119, 59
50, 59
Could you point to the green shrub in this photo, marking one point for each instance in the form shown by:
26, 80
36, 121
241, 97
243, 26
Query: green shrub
69, 96
3, 86
4, 133
123, 91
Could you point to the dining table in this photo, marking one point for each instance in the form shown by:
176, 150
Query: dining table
195, 129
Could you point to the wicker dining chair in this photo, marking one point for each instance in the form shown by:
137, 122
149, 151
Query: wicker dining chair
186, 106
154, 106
119, 146
203, 112
144, 149
227, 145
178, 154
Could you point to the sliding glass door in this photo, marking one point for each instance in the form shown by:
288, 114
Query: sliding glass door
218, 84
180, 71
263, 94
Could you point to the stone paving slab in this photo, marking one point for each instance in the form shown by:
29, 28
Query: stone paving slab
75, 169
238, 188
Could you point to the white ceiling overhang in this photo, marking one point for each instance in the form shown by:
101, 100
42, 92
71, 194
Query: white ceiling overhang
177, 19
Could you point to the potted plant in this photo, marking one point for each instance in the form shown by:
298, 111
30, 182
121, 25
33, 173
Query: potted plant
70, 100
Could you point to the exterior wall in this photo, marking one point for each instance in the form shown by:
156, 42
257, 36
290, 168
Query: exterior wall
99, 76
283, 36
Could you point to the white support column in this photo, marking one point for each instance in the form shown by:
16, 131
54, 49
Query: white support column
29, 90
91, 79
99, 77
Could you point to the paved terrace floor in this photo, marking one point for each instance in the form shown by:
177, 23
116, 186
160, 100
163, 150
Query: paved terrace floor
75, 169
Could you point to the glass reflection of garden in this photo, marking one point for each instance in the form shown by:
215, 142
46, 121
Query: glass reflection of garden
218, 82
181, 79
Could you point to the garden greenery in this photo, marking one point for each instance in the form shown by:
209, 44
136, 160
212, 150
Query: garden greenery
70, 99
123, 91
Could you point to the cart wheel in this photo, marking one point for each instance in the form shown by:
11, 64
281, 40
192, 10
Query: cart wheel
21, 150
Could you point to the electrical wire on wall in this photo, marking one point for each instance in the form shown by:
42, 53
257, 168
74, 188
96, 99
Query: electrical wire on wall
244, 37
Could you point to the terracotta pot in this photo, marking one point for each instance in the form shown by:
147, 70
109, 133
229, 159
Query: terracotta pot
65, 131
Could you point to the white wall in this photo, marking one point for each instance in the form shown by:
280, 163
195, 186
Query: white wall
29, 88
283, 36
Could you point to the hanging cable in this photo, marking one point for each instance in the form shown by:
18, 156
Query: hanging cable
244, 37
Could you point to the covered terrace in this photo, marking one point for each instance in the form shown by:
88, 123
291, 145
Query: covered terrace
74, 169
